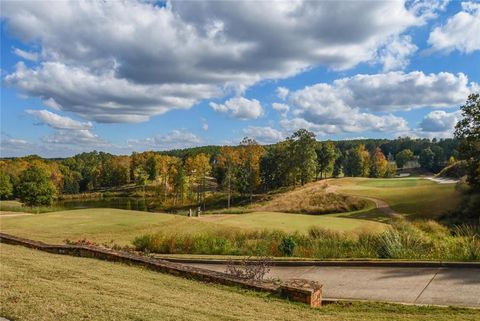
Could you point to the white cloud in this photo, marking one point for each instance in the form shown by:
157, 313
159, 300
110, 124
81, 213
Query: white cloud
56, 121
281, 108
103, 97
282, 93
174, 140
387, 92
159, 58
32, 56
75, 138
461, 32
8, 143
366, 102
205, 126
240, 108
51, 103
396, 52
440, 121
263, 135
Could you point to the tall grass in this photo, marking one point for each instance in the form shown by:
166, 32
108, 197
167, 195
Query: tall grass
426, 240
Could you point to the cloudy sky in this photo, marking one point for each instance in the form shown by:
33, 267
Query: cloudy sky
123, 76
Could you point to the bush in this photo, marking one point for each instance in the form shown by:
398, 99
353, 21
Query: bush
287, 245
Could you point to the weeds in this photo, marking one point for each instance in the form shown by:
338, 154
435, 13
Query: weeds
426, 240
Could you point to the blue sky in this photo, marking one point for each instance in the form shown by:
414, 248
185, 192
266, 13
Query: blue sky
132, 76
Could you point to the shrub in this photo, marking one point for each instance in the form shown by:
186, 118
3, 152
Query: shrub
287, 245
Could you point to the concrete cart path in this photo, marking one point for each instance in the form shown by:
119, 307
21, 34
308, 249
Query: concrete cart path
436, 286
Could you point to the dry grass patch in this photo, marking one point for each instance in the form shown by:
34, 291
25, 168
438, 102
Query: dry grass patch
311, 199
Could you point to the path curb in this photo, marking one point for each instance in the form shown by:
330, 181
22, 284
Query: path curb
286, 263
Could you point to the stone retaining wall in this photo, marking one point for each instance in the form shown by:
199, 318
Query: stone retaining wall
295, 290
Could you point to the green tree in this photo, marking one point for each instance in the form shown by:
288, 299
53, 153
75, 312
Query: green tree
427, 159
36, 187
151, 167
326, 156
402, 157
467, 131
338, 166
303, 144
352, 165
6, 186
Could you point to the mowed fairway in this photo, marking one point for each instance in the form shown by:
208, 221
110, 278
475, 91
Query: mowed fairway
416, 197
42, 286
122, 226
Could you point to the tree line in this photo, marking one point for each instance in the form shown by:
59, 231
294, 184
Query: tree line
181, 176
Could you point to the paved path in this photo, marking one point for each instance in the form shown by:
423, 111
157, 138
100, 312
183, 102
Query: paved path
437, 286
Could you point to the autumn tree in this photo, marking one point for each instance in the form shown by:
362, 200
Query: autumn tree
180, 185
228, 159
141, 178
365, 160
250, 153
378, 163
199, 167
403, 157
36, 187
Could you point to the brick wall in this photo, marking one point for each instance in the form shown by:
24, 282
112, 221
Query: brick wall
308, 292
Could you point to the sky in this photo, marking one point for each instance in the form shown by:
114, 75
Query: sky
124, 76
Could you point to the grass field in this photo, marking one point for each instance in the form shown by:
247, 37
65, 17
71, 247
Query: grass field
415, 197
122, 226
41, 286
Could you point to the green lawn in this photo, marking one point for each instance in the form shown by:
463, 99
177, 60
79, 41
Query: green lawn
42, 286
122, 226
416, 197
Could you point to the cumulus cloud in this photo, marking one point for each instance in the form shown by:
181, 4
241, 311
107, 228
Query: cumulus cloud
172, 140
461, 32
8, 143
79, 137
56, 121
104, 97
240, 108
263, 135
68, 131
282, 92
159, 58
281, 108
388, 92
32, 56
395, 55
440, 121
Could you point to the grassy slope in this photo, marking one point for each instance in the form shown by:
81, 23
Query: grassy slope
412, 196
299, 222
122, 226
41, 286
